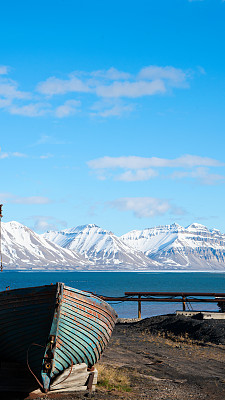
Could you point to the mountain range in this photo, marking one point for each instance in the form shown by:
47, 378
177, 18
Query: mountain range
24, 249
89, 247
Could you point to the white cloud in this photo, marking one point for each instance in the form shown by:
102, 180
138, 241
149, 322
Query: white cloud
31, 110
202, 174
141, 168
70, 107
138, 175
111, 74
108, 108
4, 70
46, 223
11, 154
13, 199
17, 154
9, 90
46, 156
5, 103
112, 85
53, 86
32, 200
116, 110
134, 162
175, 76
131, 89
4, 155
144, 207
47, 139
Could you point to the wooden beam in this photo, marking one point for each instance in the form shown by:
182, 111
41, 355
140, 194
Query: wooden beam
139, 306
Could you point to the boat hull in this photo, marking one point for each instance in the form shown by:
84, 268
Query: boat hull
25, 321
51, 328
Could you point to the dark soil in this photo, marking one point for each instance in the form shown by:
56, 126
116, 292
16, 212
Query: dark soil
165, 358
202, 330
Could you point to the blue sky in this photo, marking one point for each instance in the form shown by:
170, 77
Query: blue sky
112, 113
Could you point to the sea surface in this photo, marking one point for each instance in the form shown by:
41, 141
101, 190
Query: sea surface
116, 283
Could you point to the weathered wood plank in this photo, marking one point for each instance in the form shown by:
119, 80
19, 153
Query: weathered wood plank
77, 380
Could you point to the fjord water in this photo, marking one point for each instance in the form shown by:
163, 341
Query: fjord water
116, 283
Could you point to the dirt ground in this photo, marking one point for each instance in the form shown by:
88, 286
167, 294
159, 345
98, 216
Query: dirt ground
161, 358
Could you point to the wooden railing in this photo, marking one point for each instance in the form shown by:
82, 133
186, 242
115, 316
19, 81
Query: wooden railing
167, 297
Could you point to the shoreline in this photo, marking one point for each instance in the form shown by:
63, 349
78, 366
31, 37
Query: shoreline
116, 271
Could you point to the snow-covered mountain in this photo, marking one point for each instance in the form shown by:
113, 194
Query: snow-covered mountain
101, 247
174, 247
89, 247
23, 248
152, 240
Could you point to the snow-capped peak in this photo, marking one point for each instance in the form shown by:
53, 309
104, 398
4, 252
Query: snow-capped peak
89, 246
23, 248
196, 226
99, 245
14, 225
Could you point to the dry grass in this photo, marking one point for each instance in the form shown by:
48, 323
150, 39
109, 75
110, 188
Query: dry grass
171, 339
184, 342
113, 378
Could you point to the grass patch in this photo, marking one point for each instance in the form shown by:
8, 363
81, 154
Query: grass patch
113, 378
171, 338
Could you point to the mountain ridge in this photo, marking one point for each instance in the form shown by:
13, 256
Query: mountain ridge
90, 247
24, 249
195, 245
100, 246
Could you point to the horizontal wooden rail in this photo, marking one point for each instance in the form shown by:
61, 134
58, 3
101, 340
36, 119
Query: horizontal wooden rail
169, 297
166, 300
174, 294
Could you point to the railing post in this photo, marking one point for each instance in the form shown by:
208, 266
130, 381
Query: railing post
184, 303
139, 306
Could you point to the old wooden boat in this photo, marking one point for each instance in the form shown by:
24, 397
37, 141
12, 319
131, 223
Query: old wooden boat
51, 328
